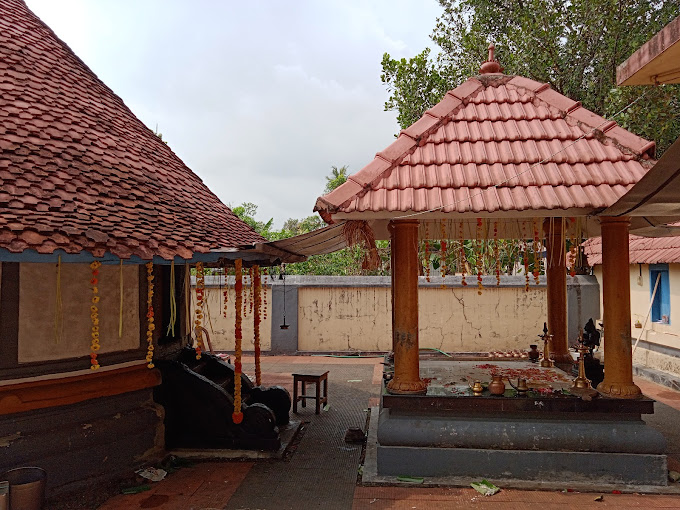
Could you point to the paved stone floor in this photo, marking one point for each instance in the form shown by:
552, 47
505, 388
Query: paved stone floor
322, 470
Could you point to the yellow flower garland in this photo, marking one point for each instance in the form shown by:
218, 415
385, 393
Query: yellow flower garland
200, 290
94, 315
150, 326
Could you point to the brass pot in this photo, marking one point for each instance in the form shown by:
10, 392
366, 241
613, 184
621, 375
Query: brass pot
476, 388
496, 386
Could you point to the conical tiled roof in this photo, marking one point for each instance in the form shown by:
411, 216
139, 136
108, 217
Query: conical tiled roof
79, 172
497, 144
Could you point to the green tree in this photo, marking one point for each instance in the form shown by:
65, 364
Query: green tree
574, 46
247, 211
338, 176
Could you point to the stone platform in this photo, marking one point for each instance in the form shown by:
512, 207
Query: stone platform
546, 435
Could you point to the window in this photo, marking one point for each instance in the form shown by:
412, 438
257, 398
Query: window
661, 307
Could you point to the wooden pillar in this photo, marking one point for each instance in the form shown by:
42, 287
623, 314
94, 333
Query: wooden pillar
406, 378
618, 358
556, 276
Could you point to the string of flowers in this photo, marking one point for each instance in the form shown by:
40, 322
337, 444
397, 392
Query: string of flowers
442, 257
462, 254
479, 255
251, 272
427, 251
150, 326
264, 291
572, 250
225, 292
94, 315
245, 301
496, 253
200, 304
256, 322
237, 416
537, 261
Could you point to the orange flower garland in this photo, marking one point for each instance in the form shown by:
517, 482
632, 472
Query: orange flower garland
225, 292
427, 251
537, 262
525, 258
463, 258
150, 326
200, 303
237, 416
94, 315
442, 256
497, 254
264, 291
257, 297
479, 257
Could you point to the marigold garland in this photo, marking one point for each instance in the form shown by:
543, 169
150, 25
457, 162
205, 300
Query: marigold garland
257, 297
479, 256
237, 415
264, 292
442, 256
427, 251
150, 326
251, 273
200, 304
225, 292
537, 262
94, 315
463, 258
497, 254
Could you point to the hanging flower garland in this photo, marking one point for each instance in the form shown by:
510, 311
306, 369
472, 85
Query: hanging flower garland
237, 416
537, 260
94, 315
496, 253
427, 251
225, 292
200, 303
479, 255
463, 258
150, 326
251, 272
442, 256
257, 298
264, 291
525, 258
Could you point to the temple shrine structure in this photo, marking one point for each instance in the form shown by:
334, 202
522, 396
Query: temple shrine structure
508, 155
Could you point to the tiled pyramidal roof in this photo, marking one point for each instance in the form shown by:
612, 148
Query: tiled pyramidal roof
78, 171
475, 151
642, 250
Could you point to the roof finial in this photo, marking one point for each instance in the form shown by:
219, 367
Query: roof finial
491, 65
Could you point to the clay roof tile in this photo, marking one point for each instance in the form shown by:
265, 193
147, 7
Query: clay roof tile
66, 141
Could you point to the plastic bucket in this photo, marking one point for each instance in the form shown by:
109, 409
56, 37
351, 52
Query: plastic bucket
26, 487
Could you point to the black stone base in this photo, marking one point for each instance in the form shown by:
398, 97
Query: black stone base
577, 467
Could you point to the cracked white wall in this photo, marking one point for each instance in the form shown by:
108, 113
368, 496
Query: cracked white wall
450, 319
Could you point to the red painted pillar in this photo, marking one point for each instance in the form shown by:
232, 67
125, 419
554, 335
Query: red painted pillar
618, 357
406, 378
556, 276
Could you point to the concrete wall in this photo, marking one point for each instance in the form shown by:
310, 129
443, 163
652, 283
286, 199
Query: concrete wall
328, 313
659, 346
221, 328
38, 340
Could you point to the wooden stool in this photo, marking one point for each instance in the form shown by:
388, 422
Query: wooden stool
313, 377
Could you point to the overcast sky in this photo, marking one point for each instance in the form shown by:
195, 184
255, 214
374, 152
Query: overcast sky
259, 98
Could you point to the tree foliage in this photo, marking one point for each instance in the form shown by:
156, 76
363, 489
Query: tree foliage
338, 176
574, 46
345, 262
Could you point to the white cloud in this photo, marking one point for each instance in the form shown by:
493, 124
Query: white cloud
258, 98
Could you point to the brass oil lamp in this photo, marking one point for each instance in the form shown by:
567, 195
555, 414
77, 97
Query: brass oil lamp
546, 362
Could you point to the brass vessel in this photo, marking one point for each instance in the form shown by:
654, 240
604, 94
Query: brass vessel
496, 386
521, 387
476, 388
